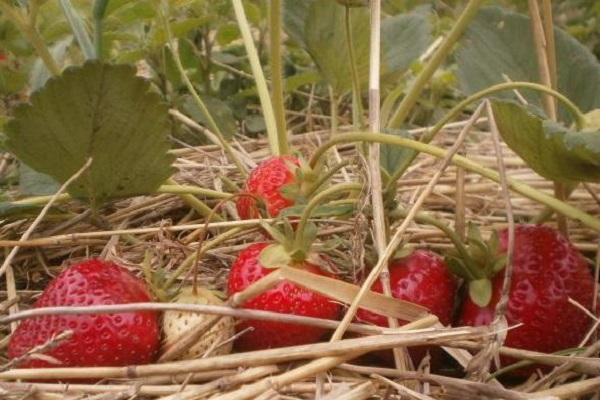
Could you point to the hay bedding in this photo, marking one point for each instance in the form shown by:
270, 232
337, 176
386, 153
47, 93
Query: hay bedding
205, 166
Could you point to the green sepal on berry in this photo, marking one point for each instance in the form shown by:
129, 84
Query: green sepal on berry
290, 247
483, 263
305, 181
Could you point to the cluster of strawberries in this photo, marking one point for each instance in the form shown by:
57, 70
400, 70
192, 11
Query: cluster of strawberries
549, 276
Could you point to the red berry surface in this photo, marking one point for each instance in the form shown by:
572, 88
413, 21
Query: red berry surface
265, 182
285, 298
547, 271
100, 339
421, 278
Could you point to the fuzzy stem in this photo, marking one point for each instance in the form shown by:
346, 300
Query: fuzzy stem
172, 45
259, 78
318, 199
357, 109
28, 29
277, 74
99, 11
434, 62
517, 186
457, 109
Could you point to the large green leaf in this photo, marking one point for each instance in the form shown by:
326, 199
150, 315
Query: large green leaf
318, 26
101, 111
33, 183
498, 43
552, 150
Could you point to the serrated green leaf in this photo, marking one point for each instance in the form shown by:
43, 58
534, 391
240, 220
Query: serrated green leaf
499, 42
100, 111
480, 291
274, 256
550, 149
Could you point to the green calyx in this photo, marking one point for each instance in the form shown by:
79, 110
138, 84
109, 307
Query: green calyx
306, 180
484, 260
290, 247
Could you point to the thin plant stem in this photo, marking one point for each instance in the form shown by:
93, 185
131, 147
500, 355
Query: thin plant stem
277, 73
259, 77
195, 203
99, 11
433, 64
517, 186
457, 109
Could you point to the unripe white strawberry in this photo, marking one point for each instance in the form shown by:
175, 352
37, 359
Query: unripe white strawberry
177, 323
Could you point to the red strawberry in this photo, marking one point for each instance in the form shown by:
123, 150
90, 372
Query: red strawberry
422, 278
98, 340
265, 182
547, 271
284, 298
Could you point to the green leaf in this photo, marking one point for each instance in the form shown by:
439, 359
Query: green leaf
318, 26
274, 256
33, 183
550, 149
498, 42
480, 291
499, 264
100, 111
457, 267
8, 209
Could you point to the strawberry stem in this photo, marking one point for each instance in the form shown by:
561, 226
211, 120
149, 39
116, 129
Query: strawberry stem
277, 74
330, 173
517, 186
357, 108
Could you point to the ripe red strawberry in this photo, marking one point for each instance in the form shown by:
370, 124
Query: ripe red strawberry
547, 271
422, 278
284, 298
266, 182
98, 340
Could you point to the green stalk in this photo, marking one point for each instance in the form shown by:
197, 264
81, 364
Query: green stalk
32, 36
433, 64
457, 109
99, 11
195, 190
277, 74
519, 187
318, 199
357, 109
259, 78
190, 86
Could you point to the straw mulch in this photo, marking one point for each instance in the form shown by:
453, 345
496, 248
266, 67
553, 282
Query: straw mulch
327, 371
